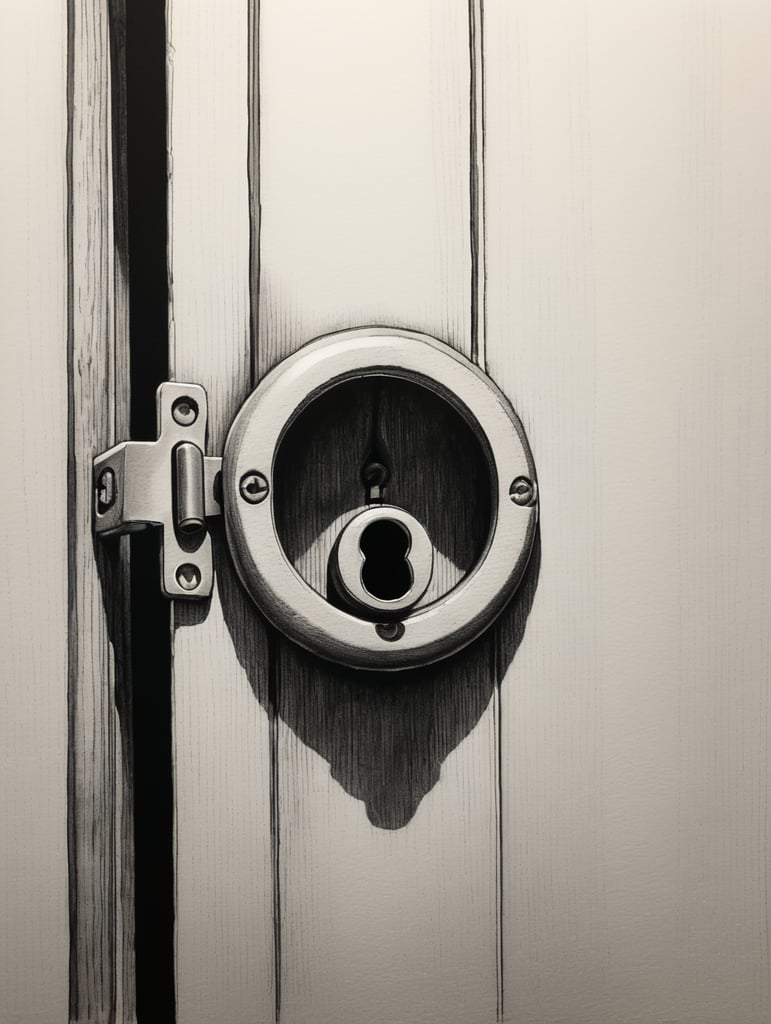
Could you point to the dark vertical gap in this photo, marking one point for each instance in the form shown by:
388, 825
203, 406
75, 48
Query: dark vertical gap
147, 202
146, 208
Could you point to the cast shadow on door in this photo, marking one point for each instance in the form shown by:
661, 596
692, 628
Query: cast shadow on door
384, 735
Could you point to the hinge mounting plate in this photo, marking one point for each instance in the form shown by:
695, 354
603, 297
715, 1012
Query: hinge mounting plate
169, 483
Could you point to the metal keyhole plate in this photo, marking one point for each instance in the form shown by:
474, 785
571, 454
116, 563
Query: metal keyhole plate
410, 554
424, 633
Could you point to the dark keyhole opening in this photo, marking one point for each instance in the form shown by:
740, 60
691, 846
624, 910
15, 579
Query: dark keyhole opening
386, 573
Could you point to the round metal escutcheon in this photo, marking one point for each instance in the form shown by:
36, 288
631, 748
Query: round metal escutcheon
435, 630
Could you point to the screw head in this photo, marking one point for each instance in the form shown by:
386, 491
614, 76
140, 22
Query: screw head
523, 491
389, 630
188, 576
106, 491
184, 411
254, 487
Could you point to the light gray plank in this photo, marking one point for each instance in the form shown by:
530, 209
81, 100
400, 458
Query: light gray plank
100, 757
386, 869
224, 927
33, 701
628, 224
364, 164
58, 630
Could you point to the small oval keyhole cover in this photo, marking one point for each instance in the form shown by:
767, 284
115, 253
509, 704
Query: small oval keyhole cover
382, 562
341, 631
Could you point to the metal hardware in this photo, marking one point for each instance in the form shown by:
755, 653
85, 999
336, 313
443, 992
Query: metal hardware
254, 487
105, 491
168, 483
375, 476
390, 630
423, 633
188, 477
523, 491
413, 560
189, 577
184, 411
386, 621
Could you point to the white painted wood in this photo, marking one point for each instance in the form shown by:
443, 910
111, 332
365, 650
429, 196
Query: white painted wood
33, 541
224, 929
628, 162
627, 165
364, 163
364, 194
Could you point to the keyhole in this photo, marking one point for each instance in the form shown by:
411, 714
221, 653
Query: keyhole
386, 572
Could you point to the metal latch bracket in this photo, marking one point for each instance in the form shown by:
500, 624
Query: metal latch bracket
169, 483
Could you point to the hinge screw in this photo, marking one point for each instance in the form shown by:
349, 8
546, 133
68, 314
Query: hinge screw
184, 411
523, 491
254, 487
105, 491
188, 576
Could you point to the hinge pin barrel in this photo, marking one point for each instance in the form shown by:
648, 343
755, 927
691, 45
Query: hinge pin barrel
189, 487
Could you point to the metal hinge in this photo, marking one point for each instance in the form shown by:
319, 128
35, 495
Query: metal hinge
169, 483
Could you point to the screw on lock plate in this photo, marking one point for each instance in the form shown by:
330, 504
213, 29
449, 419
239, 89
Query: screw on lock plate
254, 487
523, 491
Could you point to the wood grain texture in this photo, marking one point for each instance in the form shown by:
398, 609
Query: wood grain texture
385, 788
625, 281
224, 927
628, 162
33, 541
364, 165
64, 312
100, 755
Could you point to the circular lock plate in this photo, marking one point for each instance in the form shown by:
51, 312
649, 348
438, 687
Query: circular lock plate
435, 630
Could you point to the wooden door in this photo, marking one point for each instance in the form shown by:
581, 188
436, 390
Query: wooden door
66, 865
568, 821
344, 198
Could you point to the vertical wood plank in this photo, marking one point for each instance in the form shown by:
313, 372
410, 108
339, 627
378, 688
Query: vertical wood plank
224, 928
33, 542
386, 912
65, 334
627, 240
628, 230
364, 166
100, 819
541, 348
